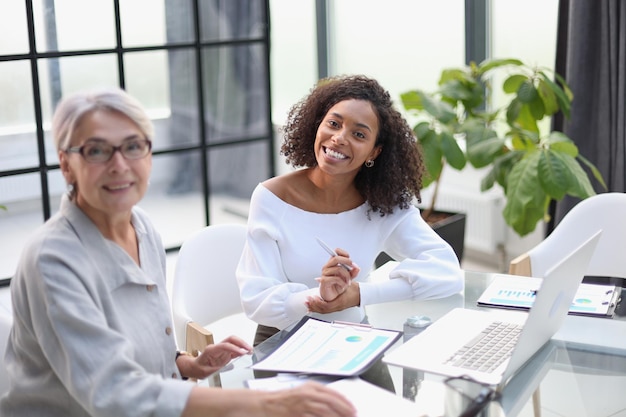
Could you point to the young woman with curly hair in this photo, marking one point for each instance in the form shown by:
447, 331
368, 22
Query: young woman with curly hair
360, 173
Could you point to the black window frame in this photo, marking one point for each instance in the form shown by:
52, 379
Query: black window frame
43, 168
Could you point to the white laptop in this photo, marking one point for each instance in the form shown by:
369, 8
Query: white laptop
435, 349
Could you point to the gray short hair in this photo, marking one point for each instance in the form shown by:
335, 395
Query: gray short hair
71, 110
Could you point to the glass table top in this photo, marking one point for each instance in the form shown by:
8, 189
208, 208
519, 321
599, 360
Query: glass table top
580, 372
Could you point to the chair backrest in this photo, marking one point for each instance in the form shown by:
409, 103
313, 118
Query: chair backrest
205, 288
604, 212
5, 329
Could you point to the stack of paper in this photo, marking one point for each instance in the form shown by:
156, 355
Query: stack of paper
368, 399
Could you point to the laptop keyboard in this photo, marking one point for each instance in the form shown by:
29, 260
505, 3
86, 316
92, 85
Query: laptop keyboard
489, 349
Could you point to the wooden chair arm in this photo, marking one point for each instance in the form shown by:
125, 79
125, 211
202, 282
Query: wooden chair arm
197, 338
521, 266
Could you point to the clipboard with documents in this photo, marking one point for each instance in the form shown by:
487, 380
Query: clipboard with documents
316, 346
518, 292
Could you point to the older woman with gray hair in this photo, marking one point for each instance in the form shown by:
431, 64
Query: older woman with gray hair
92, 332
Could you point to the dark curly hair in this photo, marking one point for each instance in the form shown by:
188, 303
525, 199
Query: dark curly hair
396, 177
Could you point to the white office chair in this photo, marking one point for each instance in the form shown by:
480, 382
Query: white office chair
5, 329
600, 212
205, 290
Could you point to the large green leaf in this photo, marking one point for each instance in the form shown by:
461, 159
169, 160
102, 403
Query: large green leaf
527, 93
554, 176
594, 170
513, 83
561, 143
526, 200
490, 64
440, 110
568, 92
412, 100
503, 165
421, 130
548, 96
457, 90
476, 130
513, 110
480, 154
526, 120
580, 186
488, 180
452, 152
432, 156
537, 108
453, 74
562, 98
523, 140
476, 98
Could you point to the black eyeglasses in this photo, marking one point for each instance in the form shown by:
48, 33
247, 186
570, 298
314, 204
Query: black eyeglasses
99, 151
478, 400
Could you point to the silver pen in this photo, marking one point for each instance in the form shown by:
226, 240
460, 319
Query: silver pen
332, 253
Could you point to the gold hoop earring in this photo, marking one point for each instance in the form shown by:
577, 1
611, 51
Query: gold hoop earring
369, 163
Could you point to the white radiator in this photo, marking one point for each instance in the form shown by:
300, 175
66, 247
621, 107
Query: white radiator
485, 229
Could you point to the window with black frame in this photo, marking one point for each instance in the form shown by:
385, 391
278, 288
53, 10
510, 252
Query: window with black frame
201, 69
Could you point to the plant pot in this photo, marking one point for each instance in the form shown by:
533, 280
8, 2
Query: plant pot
451, 228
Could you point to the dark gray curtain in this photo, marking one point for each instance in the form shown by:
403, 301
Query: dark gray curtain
591, 55
234, 88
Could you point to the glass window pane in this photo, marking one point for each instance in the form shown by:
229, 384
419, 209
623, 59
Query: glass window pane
179, 124
143, 22
146, 22
227, 208
147, 79
404, 46
62, 76
294, 54
13, 28
18, 142
535, 47
228, 19
16, 97
235, 170
235, 93
71, 25
175, 213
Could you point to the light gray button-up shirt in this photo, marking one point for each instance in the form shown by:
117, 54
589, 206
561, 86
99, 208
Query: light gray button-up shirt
92, 332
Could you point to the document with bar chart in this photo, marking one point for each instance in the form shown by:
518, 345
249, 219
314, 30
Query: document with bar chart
518, 292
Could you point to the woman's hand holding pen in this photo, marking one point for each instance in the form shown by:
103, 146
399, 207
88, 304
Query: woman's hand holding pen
337, 290
337, 275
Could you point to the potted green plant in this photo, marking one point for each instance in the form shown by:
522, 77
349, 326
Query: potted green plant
532, 164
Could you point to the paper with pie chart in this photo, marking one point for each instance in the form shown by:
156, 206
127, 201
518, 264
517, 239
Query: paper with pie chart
510, 291
329, 348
